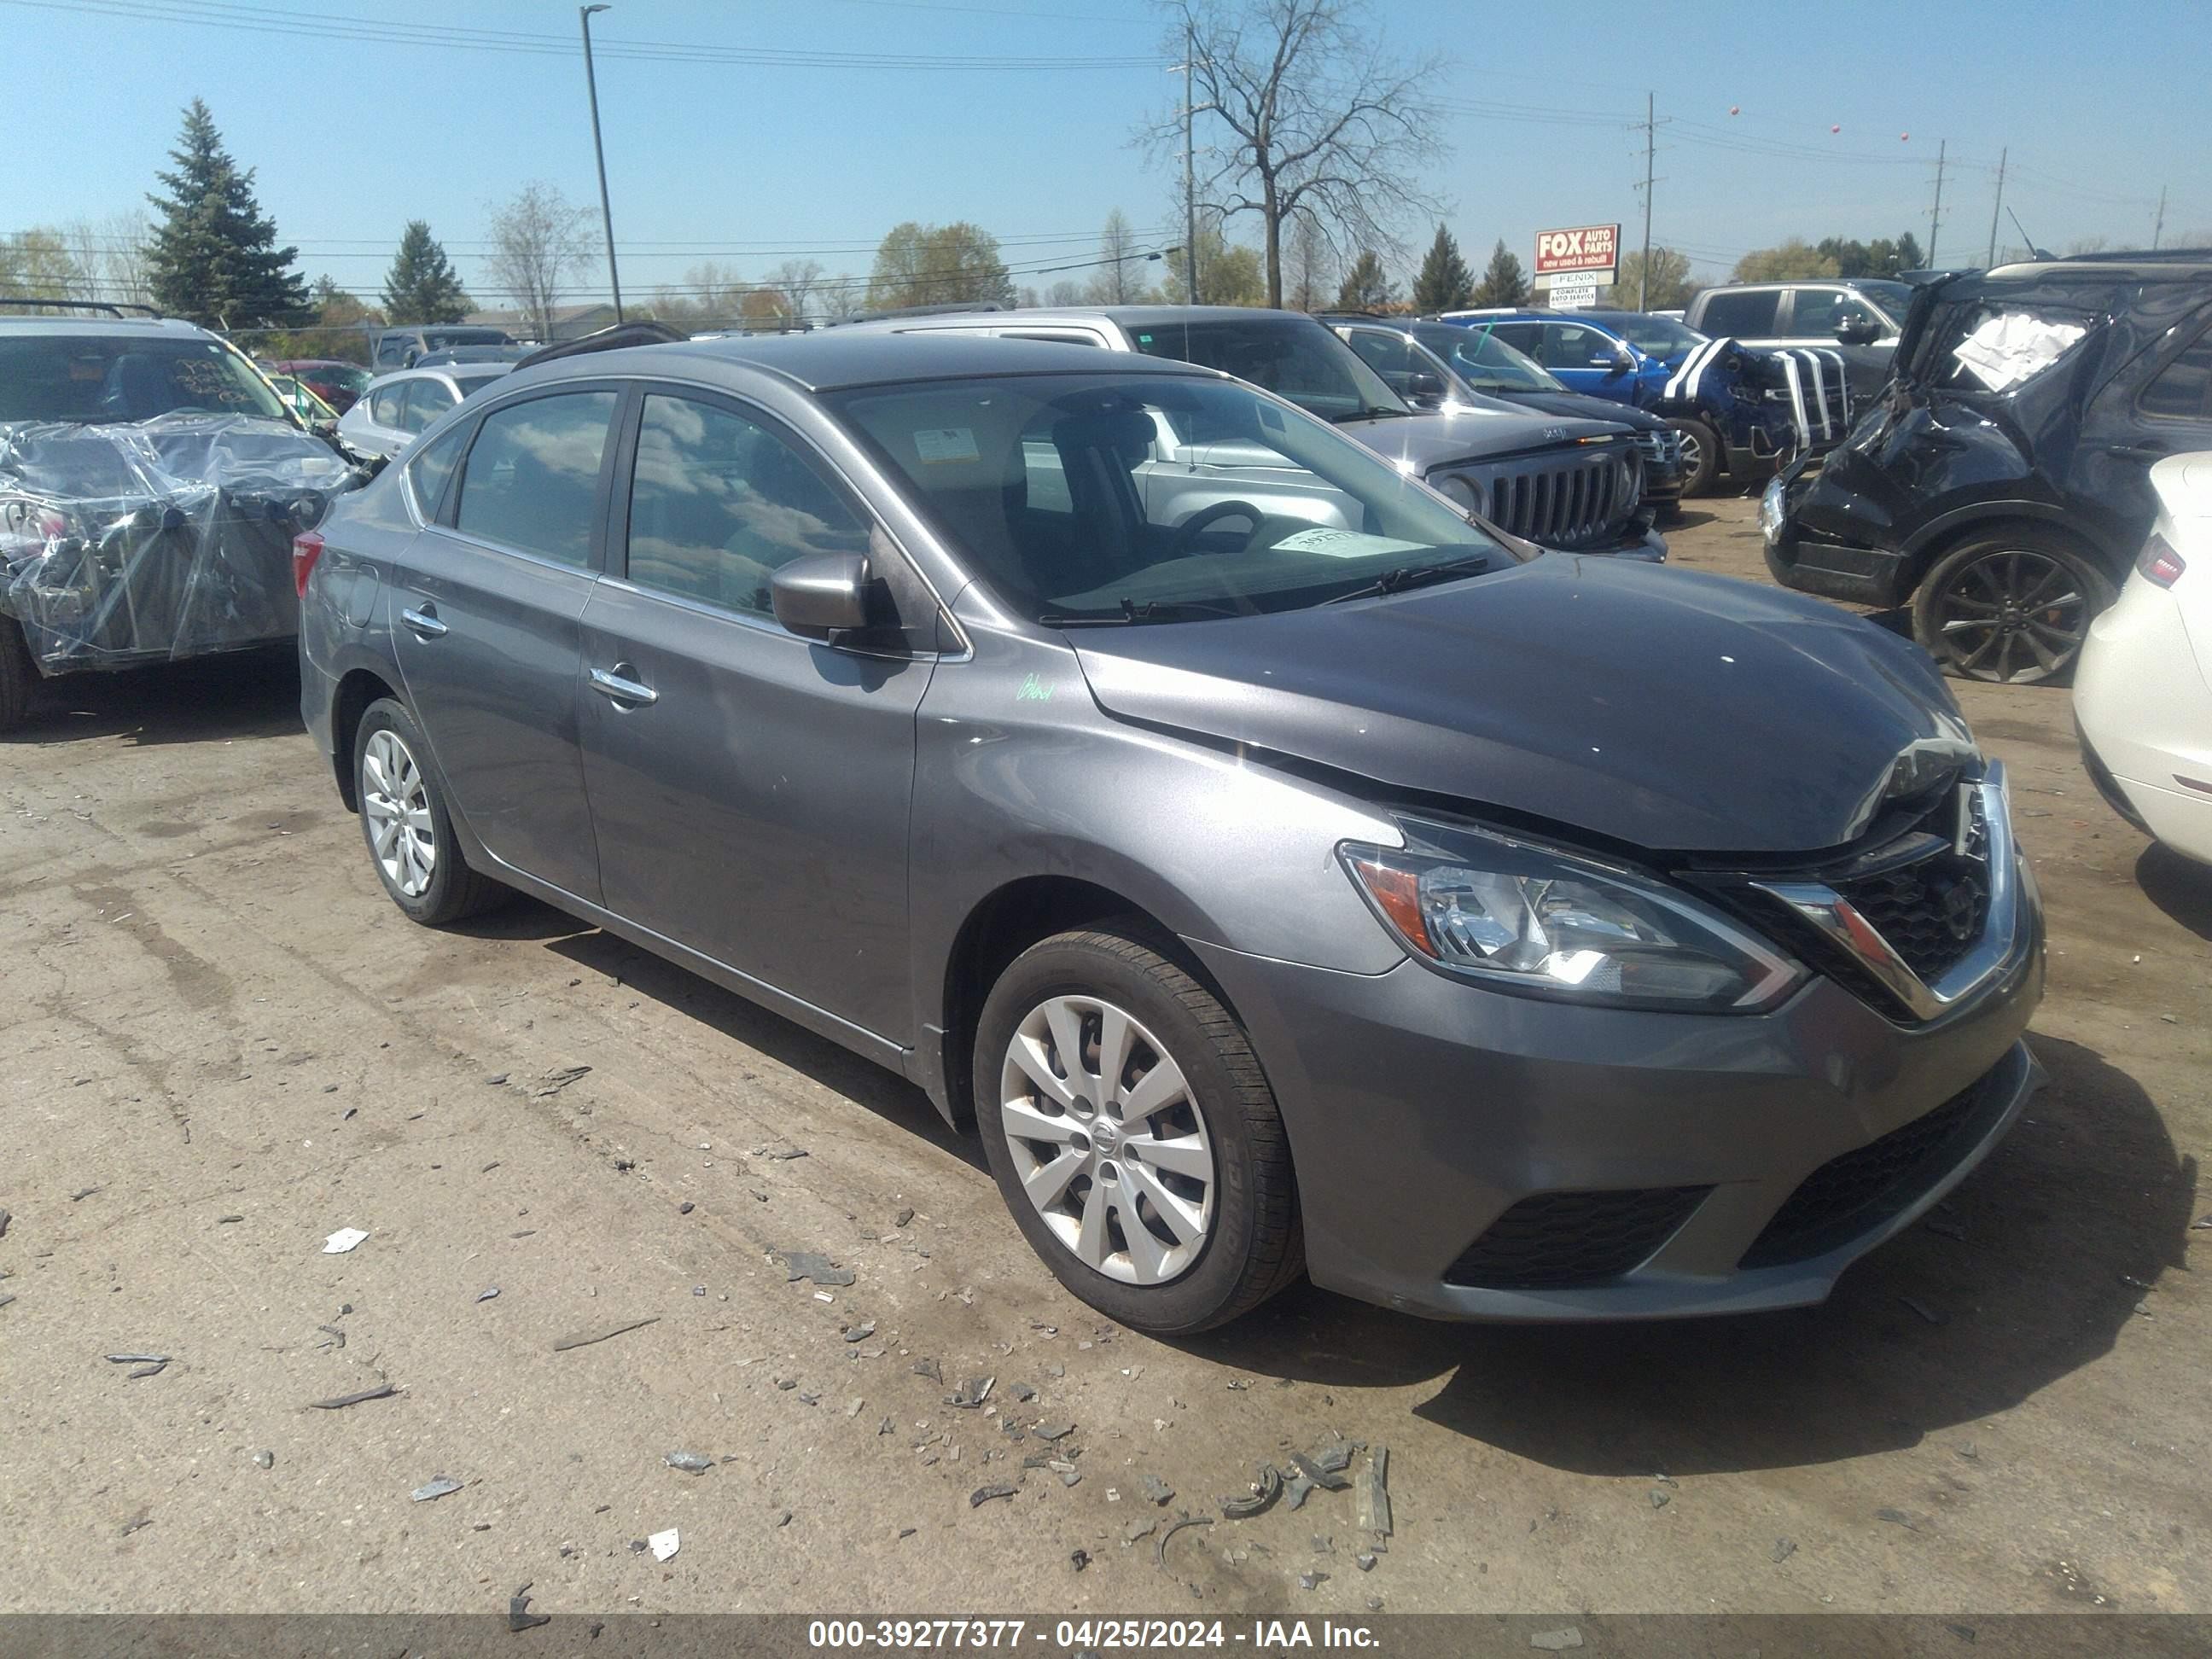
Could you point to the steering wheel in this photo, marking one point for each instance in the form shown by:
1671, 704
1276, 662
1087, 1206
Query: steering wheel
1205, 518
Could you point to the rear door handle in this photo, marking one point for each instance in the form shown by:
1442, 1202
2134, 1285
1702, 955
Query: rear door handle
619, 685
425, 621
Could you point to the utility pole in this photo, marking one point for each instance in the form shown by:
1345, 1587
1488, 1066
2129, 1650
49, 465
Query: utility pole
1650, 143
2003, 156
606, 213
2158, 226
1190, 173
1936, 217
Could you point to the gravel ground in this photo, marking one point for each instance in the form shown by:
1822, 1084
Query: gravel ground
220, 1044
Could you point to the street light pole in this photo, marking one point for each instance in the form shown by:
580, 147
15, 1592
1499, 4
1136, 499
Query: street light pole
599, 149
1189, 175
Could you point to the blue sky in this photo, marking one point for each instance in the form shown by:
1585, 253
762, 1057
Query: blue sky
749, 163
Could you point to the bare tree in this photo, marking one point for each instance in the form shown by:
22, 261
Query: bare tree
110, 256
1327, 123
537, 239
1121, 279
1312, 269
797, 282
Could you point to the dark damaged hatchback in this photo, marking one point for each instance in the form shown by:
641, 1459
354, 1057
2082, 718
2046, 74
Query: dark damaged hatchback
1324, 886
2001, 486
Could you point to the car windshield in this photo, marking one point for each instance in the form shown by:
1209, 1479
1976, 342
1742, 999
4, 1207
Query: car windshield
1486, 363
1654, 336
99, 380
433, 338
1104, 499
344, 376
1294, 357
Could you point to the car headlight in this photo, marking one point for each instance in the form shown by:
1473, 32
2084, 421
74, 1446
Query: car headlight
1463, 491
1523, 917
1770, 511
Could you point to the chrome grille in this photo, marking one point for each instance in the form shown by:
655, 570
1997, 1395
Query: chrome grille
1568, 501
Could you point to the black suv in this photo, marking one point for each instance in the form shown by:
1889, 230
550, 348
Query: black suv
2000, 485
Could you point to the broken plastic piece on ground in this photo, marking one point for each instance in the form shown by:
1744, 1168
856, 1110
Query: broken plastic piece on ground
4, 1220
1053, 1431
1266, 1487
1156, 1490
1333, 1459
663, 1545
344, 1240
983, 1495
381, 1391
556, 1081
153, 1369
1373, 1511
1079, 1559
519, 1615
810, 1264
861, 1332
928, 1368
137, 1359
689, 1461
486, 1294
1298, 1487
1160, 1546
1557, 1641
584, 1339
972, 1392
266, 1460
437, 1488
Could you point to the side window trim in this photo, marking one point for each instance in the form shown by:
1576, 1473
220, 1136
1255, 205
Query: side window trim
625, 407
2201, 338
880, 535
439, 512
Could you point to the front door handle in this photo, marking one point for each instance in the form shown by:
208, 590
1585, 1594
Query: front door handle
2147, 452
620, 685
425, 621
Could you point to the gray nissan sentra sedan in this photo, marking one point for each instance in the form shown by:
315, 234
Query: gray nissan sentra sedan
1278, 872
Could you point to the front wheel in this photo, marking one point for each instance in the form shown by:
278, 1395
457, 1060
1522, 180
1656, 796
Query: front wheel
1133, 1135
2011, 606
1701, 454
405, 820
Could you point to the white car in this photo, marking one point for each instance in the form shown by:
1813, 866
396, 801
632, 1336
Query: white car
2142, 693
386, 418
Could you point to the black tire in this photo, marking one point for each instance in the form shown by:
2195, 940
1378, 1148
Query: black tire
452, 891
1701, 454
19, 675
2010, 605
1253, 1246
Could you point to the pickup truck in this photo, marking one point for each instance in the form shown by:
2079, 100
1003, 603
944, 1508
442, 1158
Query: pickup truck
1860, 317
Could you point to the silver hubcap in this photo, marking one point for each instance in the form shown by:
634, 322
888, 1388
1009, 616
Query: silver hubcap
1693, 455
1109, 1142
396, 802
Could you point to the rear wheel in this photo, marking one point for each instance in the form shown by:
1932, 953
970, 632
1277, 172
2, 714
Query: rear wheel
1701, 454
1132, 1134
404, 821
2012, 605
18, 675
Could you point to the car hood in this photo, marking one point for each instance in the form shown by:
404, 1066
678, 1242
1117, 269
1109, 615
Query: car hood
1663, 710
1580, 405
1422, 443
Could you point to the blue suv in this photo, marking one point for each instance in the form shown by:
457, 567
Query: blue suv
1741, 412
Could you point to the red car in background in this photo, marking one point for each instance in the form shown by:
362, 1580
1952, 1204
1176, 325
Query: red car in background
337, 384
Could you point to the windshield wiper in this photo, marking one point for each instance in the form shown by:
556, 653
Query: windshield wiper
1372, 412
1405, 576
1132, 611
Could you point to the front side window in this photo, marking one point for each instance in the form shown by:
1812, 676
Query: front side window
1821, 311
1654, 336
1740, 314
718, 503
1575, 345
532, 477
1124, 499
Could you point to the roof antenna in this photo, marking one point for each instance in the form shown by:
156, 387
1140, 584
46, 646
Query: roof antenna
2038, 253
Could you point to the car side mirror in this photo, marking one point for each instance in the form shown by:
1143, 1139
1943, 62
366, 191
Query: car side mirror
1623, 361
1422, 388
1858, 331
821, 594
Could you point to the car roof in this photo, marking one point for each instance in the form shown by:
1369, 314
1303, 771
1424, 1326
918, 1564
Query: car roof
865, 355
2177, 265
105, 328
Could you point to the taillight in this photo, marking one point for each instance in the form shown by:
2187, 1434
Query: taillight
2159, 563
306, 547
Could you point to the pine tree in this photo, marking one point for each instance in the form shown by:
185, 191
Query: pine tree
1444, 283
421, 286
1504, 283
1365, 286
214, 258
1909, 256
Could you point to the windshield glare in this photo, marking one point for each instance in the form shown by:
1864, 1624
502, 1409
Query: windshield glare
1292, 357
1487, 363
87, 379
1095, 497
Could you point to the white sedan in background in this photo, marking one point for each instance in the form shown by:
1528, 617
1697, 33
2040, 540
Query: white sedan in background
387, 415
2142, 692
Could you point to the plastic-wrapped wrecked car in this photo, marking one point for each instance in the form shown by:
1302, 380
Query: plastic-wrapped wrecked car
151, 482
2002, 486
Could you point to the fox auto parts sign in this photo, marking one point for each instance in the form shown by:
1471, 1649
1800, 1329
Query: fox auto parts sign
1589, 248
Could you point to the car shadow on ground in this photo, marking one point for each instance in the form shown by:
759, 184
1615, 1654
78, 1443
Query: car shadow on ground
890, 1096
2180, 887
2029, 1271
248, 694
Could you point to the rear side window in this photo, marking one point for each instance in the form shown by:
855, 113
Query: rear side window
2183, 389
385, 405
1740, 314
431, 468
719, 503
425, 401
533, 474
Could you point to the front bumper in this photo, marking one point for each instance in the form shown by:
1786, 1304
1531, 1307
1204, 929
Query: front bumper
1421, 1109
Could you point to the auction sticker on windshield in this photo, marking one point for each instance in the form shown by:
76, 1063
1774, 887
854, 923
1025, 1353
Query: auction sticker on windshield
949, 443
1343, 544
